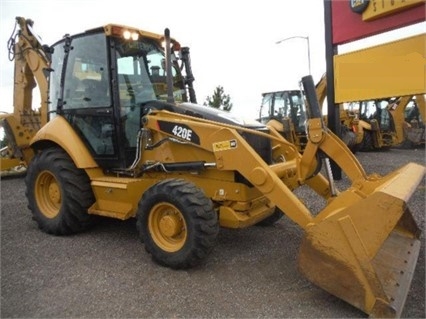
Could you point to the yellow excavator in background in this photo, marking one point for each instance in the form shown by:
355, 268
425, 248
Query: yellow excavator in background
32, 65
125, 138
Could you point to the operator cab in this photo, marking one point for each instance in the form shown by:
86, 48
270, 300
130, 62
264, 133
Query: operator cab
378, 110
288, 108
100, 81
284, 104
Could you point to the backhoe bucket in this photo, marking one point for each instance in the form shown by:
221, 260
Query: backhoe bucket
363, 247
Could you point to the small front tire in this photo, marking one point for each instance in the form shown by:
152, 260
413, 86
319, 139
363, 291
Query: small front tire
177, 223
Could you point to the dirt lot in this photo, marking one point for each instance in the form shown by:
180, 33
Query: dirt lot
106, 272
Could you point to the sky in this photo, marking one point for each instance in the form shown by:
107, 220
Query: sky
232, 43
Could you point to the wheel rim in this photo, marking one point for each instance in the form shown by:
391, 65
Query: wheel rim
167, 227
48, 194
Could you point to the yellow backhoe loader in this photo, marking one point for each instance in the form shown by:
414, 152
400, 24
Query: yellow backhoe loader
384, 123
126, 142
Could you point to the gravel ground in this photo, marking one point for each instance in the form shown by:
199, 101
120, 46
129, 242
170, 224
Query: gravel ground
106, 273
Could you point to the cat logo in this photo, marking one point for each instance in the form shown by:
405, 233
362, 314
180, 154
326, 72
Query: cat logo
224, 146
359, 6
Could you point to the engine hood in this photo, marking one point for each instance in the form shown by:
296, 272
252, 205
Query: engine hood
212, 114
204, 112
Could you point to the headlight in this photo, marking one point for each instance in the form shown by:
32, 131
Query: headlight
130, 35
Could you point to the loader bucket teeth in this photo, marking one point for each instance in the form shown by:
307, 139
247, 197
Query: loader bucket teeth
366, 252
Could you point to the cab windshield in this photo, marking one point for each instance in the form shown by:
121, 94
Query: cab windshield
141, 73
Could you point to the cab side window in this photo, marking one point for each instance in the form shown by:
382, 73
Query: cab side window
86, 78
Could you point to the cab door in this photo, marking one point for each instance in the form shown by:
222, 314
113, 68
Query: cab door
87, 101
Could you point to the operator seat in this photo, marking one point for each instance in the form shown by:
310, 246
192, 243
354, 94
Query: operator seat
96, 92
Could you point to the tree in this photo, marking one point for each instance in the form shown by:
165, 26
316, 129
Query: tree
219, 100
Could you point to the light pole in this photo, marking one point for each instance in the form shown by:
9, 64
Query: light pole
309, 48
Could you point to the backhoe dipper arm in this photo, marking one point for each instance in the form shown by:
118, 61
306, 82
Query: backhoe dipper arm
32, 66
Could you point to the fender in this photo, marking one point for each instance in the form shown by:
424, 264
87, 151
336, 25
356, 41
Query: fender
61, 133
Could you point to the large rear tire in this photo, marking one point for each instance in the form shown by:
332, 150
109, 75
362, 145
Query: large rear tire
58, 193
177, 223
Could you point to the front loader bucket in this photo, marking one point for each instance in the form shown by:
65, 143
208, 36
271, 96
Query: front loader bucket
363, 247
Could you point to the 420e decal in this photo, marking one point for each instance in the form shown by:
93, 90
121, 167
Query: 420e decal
179, 130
